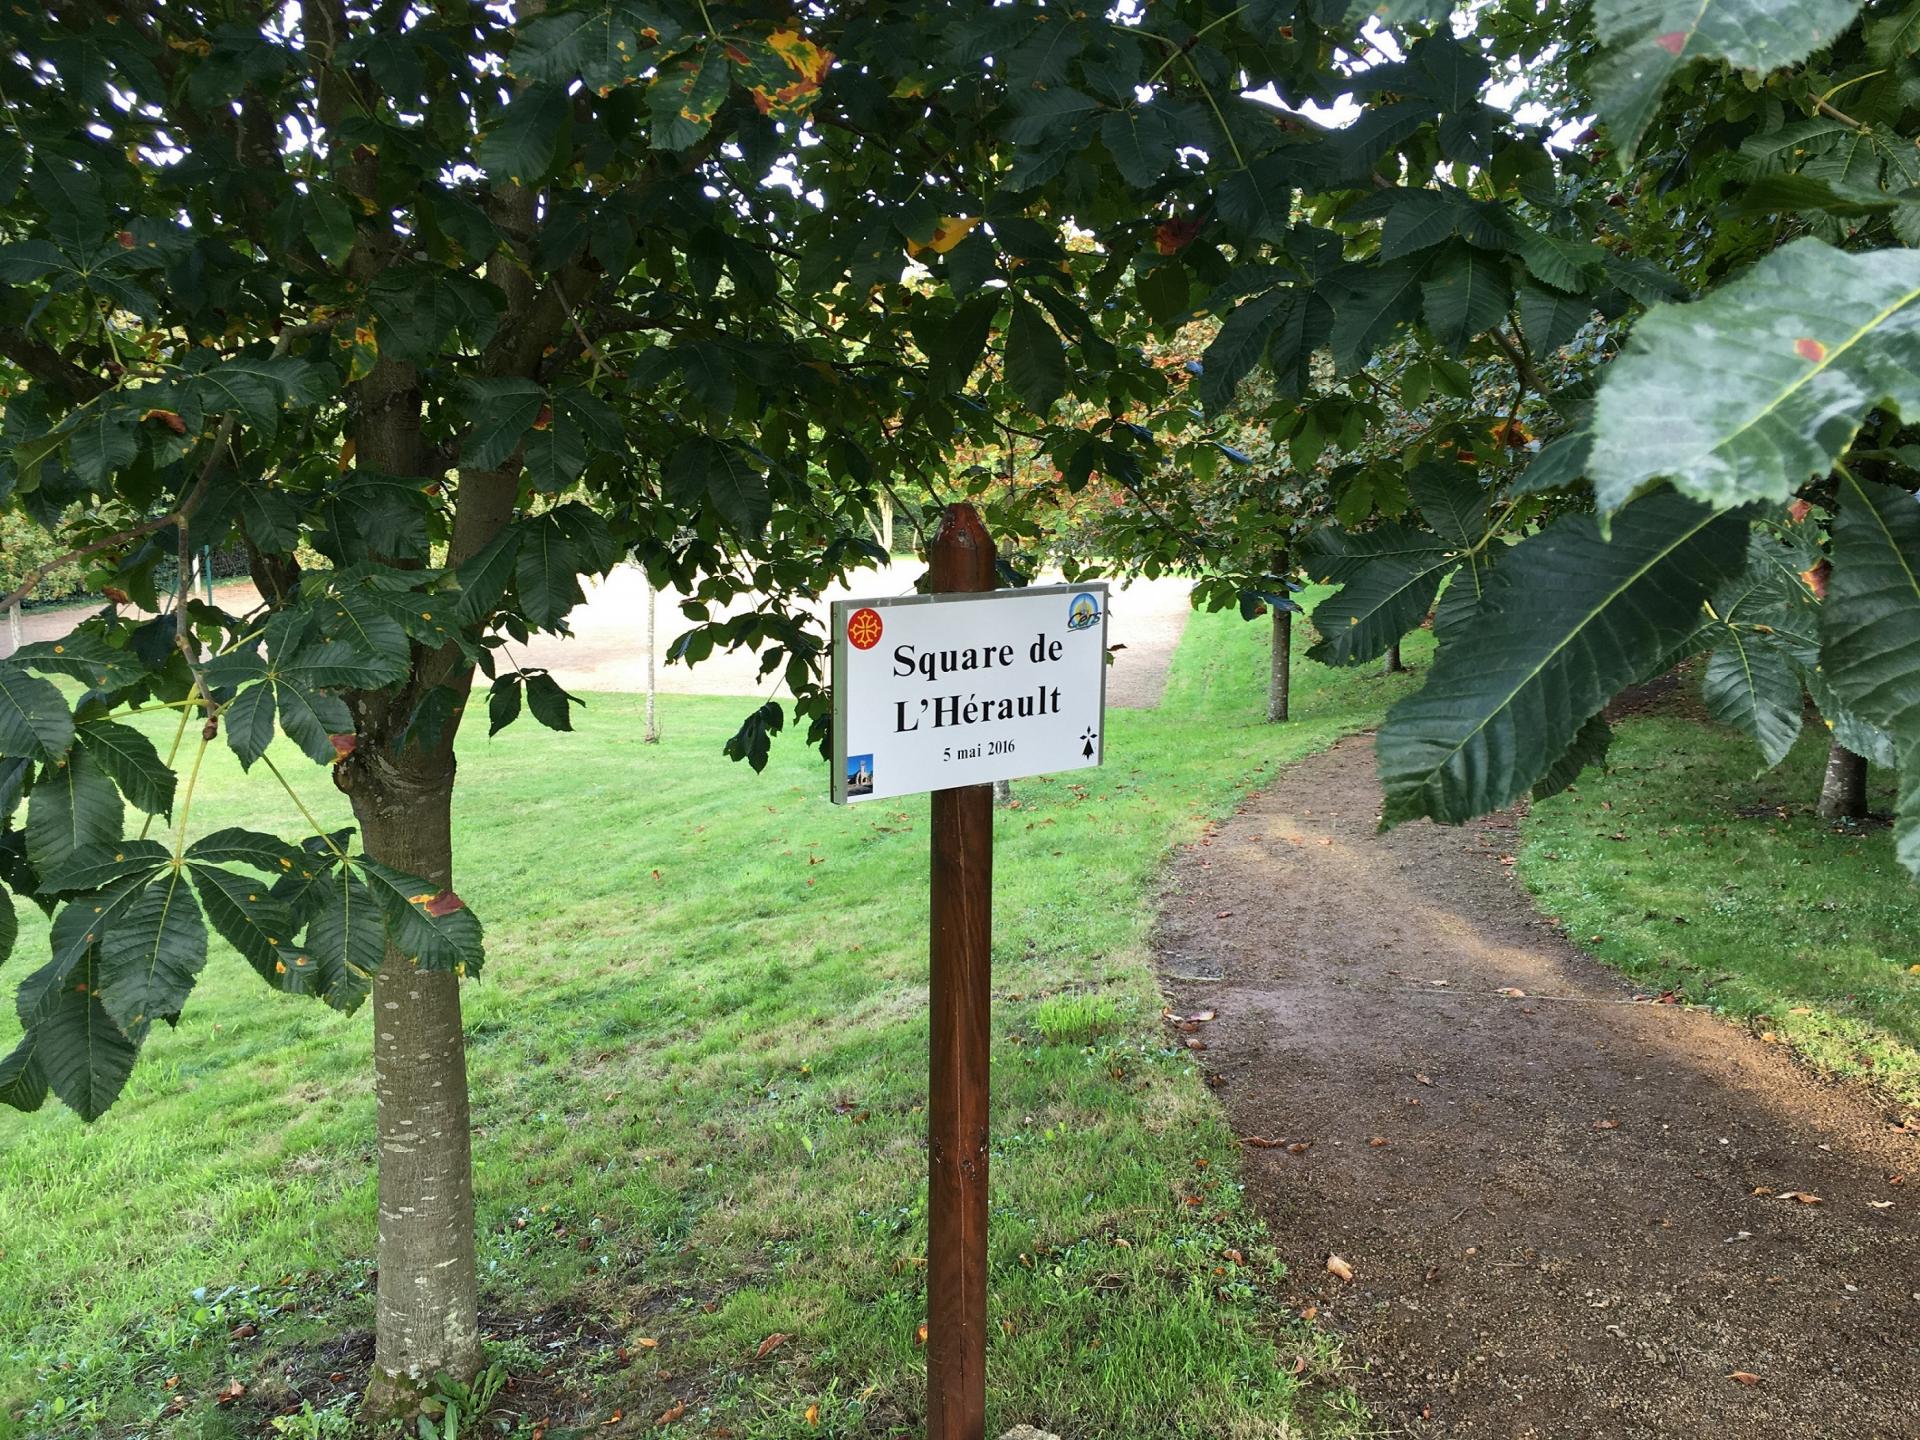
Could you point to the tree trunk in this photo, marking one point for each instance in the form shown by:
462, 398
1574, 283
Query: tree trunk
428, 1286
1843, 793
1393, 665
1280, 666
652, 737
1003, 792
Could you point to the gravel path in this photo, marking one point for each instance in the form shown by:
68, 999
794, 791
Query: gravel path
1568, 1213
607, 650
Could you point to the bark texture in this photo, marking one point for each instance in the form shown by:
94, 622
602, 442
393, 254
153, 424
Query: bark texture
428, 1289
1843, 791
1393, 664
1280, 666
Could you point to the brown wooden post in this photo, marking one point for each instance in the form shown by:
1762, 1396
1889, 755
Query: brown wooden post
961, 925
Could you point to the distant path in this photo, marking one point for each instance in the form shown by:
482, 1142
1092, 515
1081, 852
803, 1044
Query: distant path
607, 651
1561, 1236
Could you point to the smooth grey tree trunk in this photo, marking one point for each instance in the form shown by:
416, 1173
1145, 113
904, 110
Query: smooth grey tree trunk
1280, 666
428, 1289
1003, 792
1843, 791
1392, 664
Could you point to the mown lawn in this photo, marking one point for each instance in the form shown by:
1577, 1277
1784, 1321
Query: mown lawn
698, 1065
1694, 874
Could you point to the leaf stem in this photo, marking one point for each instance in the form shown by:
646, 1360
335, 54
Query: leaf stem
292, 795
173, 754
186, 804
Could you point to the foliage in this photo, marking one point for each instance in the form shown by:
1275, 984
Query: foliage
646, 1077
24, 548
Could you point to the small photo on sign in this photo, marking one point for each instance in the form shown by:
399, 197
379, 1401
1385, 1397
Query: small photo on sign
859, 774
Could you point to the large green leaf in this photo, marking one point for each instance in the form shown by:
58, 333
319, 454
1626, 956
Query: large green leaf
244, 910
95, 867
129, 758
519, 143
427, 924
1451, 500
685, 95
1036, 360
1466, 294
73, 804
35, 723
347, 939
499, 412
1568, 618
152, 953
1386, 599
1751, 684
1589, 747
248, 723
86, 656
1237, 348
704, 471
312, 718
1870, 631
83, 1054
1369, 302
1798, 351
23, 1084
1336, 556
1646, 41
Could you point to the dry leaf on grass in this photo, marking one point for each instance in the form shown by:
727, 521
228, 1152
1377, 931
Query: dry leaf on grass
672, 1413
772, 1343
813, 1413
1339, 1269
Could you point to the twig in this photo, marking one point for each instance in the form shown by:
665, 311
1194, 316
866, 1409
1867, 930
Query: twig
1834, 114
40, 572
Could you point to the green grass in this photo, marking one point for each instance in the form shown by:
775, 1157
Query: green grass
698, 1059
1693, 874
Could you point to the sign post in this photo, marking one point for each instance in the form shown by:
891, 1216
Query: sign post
960, 922
949, 692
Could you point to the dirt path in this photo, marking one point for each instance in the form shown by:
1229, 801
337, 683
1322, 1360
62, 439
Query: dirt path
1560, 1236
608, 648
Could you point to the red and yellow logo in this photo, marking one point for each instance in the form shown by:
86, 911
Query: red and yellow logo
863, 629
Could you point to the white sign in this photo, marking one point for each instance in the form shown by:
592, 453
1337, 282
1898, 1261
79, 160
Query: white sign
935, 691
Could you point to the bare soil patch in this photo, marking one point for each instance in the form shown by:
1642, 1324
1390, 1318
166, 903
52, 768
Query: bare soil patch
1569, 1211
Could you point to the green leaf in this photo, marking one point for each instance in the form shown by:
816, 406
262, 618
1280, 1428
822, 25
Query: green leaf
257, 924
1237, 348
248, 723
9, 925
237, 846
1646, 41
500, 412
1466, 295
425, 923
1800, 349
23, 1084
100, 443
1549, 318
35, 723
312, 718
1360, 620
95, 867
685, 96
1589, 747
129, 758
520, 143
705, 471
483, 579
73, 804
550, 705
1335, 556
151, 954
1141, 140
86, 656
1870, 620
546, 577
1751, 685
82, 1053
1451, 499
1036, 359
503, 704
347, 939
1574, 266
1568, 619
1369, 303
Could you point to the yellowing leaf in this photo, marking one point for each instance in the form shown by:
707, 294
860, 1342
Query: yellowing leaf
1339, 1269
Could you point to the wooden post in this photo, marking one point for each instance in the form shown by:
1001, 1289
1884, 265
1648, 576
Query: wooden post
961, 926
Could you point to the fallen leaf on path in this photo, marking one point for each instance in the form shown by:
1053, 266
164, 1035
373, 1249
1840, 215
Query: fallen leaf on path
1299, 1147
1200, 1017
1512, 992
1761, 1190
1745, 1377
1606, 1124
1376, 1141
772, 1343
1881, 1204
1339, 1269
1260, 1142
1804, 1197
1423, 1079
